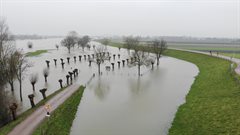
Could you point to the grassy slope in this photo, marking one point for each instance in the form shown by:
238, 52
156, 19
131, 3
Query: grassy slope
214, 49
207, 48
61, 119
212, 105
7, 128
36, 53
235, 55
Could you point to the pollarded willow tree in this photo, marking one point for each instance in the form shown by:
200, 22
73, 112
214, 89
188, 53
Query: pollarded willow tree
33, 80
158, 47
70, 40
100, 55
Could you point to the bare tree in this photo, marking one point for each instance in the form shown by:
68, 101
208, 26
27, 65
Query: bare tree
83, 41
22, 66
70, 40
45, 73
131, 42
100, 56
158, 47
11, 69
33, 80
7, 49
141, 59
139, 56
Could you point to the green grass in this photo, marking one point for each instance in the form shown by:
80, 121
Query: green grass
235, 55
7, 128
60, 121
222, 50
207, 48
36, 53
212, 105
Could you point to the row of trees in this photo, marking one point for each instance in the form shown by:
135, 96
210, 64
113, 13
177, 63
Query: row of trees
140, 55
13, 64
73, 39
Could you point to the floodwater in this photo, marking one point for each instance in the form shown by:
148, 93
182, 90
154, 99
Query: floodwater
55, 72
118, 102
121, 103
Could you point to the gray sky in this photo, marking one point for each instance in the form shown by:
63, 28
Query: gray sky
200, 18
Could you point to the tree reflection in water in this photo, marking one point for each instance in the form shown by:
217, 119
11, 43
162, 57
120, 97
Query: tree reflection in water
101, 88
139, 85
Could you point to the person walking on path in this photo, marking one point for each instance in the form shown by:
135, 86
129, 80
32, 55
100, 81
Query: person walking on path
48, 109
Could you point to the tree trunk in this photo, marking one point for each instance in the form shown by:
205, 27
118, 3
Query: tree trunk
69, 50
33, 86
14, 115
45, 78
20, 83
99, 69
12, 86
139, 69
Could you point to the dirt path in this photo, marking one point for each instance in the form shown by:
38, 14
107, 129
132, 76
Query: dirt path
234, 60
27, 126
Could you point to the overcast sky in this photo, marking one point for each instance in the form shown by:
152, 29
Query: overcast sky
199, 18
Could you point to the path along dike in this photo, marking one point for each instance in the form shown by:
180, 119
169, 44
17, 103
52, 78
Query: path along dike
27, 126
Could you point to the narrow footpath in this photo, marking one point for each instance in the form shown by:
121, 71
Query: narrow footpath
234, 60
27, 126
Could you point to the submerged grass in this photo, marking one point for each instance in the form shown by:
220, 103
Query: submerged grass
60, 121
36, 53
7, 128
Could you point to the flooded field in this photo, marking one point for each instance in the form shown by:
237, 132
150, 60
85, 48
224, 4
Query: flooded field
117, 102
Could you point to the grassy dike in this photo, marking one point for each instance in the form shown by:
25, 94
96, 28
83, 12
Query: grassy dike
7, 128
60, 121
212, 105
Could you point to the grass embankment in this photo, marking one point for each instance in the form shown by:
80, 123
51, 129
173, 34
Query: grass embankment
60, 121
36, 53
226, 51
212, 104
234, 55
7, 128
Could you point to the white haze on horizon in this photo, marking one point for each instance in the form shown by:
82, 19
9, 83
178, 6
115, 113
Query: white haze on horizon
207, 18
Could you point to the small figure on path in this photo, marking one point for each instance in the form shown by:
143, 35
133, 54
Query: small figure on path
48, 109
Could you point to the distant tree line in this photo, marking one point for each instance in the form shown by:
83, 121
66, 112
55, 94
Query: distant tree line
72, 39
